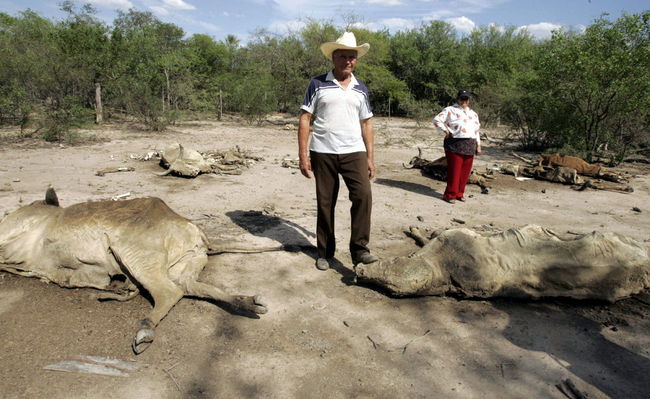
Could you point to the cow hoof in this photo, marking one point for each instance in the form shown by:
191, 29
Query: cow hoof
256, 304
143, 339
260, 301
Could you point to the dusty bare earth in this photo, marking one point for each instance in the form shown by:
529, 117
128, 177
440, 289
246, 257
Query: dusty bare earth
324, 336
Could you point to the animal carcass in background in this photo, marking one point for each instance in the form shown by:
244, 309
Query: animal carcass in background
437, 169
91, 243
526, 262
183, 161
570, 170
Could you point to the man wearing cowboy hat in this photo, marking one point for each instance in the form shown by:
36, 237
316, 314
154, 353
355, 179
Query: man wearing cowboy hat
342, 142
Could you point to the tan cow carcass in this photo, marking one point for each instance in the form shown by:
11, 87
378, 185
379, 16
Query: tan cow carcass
528, 262
141, 242
183, 161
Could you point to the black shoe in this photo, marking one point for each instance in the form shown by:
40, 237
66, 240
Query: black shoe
449, 200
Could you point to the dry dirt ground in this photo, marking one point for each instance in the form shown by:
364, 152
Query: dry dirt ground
324, 336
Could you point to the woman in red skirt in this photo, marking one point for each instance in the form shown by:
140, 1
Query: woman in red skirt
462, 141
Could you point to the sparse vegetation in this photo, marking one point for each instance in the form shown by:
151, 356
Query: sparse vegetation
582, 91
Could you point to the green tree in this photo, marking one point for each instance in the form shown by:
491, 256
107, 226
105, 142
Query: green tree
280, 62
150, 70
593, 87
312, 35
498, 61
26, 48
386, 91
83, 45
209, 62
426, 59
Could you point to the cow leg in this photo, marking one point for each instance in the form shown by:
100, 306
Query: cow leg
192, 265
256, 303
165, 295
113, 296
147, 268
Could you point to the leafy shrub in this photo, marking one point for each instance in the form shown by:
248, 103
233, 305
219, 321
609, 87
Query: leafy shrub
61, 118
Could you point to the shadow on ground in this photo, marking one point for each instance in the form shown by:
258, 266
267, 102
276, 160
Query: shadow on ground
408, 186
576, 343
292, 236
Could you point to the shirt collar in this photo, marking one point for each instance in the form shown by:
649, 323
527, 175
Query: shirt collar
461, 108
330, 77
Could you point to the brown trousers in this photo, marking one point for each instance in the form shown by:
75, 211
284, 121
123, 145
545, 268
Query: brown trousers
353, 168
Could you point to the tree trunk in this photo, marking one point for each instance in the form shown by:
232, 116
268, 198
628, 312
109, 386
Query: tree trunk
388, 107
168, 88
220, 105
99, 109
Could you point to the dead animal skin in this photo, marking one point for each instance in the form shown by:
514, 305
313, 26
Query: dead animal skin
581, 166
526, 262
437, 169
89, 244
556, 174
183, 162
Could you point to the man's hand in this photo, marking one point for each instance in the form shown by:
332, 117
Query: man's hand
303, 139
368, 135
479, 150
371, 170
305, 166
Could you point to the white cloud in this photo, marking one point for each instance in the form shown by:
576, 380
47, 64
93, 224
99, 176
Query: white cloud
542, 30
208, 26
169, 7
438, 15
394, 24
361, 25
465, 6
112, 4
498, 27
454, 15
580, 28
387, 3
178, 5
480, 5
319, 10
159, 10
286, 26
293, 7
461, 24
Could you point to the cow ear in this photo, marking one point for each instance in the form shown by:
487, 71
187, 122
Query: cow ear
50, 197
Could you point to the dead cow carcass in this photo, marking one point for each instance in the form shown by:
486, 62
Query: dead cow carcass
437, 169
527, 262
183, 161
141, 241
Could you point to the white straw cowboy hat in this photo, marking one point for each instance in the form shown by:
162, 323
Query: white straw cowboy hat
347, 41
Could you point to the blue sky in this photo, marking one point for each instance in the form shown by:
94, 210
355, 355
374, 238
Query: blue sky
219, 18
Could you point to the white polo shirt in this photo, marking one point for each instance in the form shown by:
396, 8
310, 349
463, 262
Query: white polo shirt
337, 112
